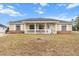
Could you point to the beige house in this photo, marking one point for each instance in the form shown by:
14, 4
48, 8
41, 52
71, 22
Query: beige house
40, 26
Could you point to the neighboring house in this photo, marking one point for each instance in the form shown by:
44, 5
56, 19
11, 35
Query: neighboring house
40, 26
3, 29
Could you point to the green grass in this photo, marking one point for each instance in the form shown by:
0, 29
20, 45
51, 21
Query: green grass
21, 44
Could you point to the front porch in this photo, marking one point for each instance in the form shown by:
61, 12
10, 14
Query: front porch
41, 28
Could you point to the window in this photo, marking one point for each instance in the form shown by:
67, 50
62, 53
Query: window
31, 27
63, 27
17, 26
41, 26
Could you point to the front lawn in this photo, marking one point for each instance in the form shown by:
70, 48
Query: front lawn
21, 44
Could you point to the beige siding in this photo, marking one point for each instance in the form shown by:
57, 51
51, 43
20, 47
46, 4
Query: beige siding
22, 27
26, 27
2, 30
69, 28
11, 27
53, 28
59, 27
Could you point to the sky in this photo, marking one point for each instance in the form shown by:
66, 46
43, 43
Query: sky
20, 11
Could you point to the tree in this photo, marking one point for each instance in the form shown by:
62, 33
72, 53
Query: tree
73, 25
77, 23
7, 30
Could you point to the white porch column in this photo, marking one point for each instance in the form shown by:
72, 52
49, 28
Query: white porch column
35, 28
45, 28
55, 29
14, 27
25, 31
22, 29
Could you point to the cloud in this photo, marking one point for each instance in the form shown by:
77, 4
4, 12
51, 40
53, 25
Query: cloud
44, 4
39, 10
64, 17
73, 5
10, 7
18, 4
1, 6
9, 11
60, 18
61, 4
68, 5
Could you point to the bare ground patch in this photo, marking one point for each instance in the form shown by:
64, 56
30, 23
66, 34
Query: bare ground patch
40, 45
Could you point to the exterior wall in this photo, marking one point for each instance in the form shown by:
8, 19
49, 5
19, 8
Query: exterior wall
59, 27
2, 30
52, 26
26, 27
55, 29
69, 28
12, 27
22, 27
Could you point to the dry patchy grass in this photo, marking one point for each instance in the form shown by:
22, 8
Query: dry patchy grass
39, 45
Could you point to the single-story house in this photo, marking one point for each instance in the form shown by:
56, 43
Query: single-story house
40, 26
3, 29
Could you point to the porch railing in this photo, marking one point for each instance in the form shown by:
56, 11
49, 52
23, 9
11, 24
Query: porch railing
38, 31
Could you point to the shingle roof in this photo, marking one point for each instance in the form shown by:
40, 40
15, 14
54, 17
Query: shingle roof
39, 19
2, 25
